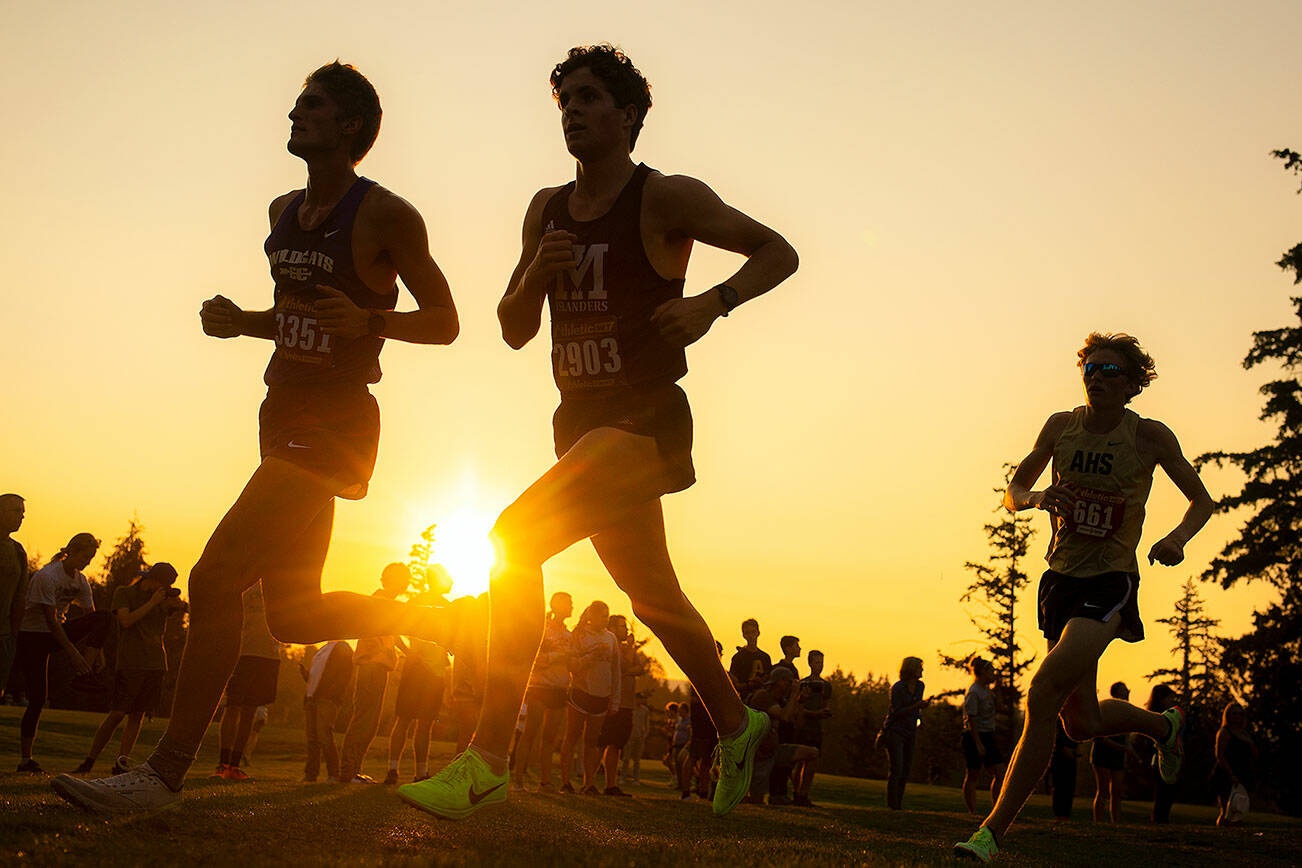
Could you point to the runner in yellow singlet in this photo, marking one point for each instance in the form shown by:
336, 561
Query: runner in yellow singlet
1103, 459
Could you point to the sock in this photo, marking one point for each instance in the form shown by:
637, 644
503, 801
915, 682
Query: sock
393, 765
171, 761
223, 757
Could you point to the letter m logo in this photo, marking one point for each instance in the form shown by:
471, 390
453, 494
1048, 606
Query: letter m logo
592, 258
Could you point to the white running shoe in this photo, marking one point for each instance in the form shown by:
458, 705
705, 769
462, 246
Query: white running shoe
136, 791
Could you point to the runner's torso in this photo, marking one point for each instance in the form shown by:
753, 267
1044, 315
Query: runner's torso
1111, 482
603, 340
300, 259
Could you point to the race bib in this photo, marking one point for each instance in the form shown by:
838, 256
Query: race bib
298, 337
585, 354
1097, 513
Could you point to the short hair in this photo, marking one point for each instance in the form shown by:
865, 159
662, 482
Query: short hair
1141, 369
671, 706
1119, 690
976, 664
751, 621
356, 97
787, 640
5, 498
395, 573
815, 653
781, 673
609, 64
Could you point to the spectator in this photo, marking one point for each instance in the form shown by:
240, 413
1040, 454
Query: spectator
679, 749
1159, 700
1236, 764
669, 728
700, 748
900, 729
252, 683
1062, 773
637, 741
617, 728
327, 687
373, 660
13, 582
52, 590
141, 609
815, 707
1108, 759
786, 727
780, 700
546, 696
469, 664
749, 667
420, 697
980, 750
594, 692
790, 646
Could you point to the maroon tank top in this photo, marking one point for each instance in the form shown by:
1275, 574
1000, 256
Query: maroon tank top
300, 259
603, 340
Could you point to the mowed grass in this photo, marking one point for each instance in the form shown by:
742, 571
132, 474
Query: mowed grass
275, 820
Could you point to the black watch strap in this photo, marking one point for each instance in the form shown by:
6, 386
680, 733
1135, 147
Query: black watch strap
728, 298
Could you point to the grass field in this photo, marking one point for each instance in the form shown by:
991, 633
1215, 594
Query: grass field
276, 820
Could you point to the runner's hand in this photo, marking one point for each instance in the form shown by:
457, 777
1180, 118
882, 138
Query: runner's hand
1058, 499
78, 662
337, 315
1168, 551
221, 317
684, 321
555, 254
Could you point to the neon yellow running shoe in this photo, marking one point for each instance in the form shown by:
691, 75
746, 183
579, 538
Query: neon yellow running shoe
981, 846
1170, 751
737, 762
464, 786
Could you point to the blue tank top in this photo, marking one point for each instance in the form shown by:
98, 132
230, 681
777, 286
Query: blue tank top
603, 340
300, 259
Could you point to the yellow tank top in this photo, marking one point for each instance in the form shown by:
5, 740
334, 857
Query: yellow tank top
1112, 484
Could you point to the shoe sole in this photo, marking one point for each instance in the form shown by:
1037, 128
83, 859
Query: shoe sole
445, 815
971, 855
67, 791
748, 769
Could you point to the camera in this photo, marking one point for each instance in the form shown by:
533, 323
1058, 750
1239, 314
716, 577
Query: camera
172, 592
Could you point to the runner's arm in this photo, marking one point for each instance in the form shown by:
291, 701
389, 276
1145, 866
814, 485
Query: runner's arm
1019, 495
683, 207
541, 257
1169, 550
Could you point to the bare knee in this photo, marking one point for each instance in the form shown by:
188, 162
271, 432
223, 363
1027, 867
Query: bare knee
1044, 700
516, 541
1079, 725
295, 625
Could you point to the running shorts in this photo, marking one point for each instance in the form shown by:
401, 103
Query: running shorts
253, 682
137, 691
420, 692
549, 698
616, 729
333, 431
1099, 598
976, 761
661, 412
587, 703
1106, 756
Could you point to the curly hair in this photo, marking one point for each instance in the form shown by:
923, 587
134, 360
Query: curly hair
626, 84
1142, 368
356, 97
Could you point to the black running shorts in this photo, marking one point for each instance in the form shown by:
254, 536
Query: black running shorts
1099, 598
1107, 756
333, 431
137, 691
976, 760
547, 698
587, 703
253, 682
661, 412
616, 729
420, 692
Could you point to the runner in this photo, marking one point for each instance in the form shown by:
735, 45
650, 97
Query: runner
609, 252
1103, 459
335, 250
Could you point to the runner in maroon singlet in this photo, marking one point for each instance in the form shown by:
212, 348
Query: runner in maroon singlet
609, 252
335, 250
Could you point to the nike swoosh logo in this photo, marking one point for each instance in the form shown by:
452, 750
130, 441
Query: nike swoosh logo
331, 232
293, 445
476, 798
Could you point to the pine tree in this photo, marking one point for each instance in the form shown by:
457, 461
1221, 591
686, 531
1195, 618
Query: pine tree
123, 564
1196, 649
428, 577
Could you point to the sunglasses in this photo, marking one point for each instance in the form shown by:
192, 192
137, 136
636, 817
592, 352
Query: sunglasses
1107, 370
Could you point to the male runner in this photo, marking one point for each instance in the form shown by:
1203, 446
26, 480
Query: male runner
1103, 459
335, 250
609, 252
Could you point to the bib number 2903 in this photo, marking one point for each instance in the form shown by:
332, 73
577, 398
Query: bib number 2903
588, 357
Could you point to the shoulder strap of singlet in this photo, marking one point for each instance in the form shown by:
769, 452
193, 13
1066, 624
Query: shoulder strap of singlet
352, 200
291, 210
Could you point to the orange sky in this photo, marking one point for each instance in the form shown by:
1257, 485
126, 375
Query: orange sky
971, 190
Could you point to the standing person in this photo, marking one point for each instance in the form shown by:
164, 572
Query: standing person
336, 249
815, 707
700, 750
594, 693
469, 658
781, 700
1103, 459
1108, 760
1162, 697
609, 251
980, 748
749, 667
420, 698
669, 728
1236, 761
900, 729
252, 684
13, 582
53, 588
790, 646
617, 728
327, 688
636, 741
546, 696
679, 746
1062, 773
141, 609
373, 659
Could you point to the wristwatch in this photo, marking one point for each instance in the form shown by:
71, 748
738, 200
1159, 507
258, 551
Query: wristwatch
375, 325
728, 298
